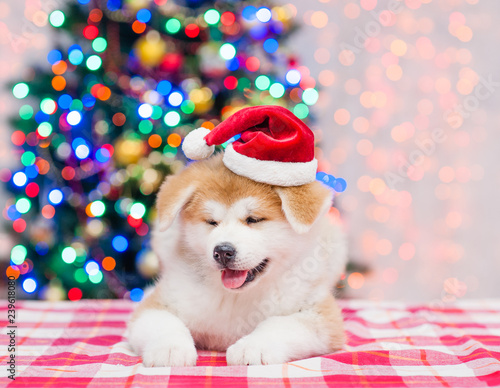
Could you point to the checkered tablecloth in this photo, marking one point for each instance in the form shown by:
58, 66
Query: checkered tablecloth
74, 344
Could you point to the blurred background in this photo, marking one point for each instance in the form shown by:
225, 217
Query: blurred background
403, 97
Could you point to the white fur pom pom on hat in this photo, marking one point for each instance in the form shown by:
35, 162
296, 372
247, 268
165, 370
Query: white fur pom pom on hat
194, 145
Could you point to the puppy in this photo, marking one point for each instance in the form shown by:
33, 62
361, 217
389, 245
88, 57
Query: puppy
247, 268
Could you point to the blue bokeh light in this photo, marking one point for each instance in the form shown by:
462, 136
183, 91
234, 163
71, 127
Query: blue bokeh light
54, 56
65, 101
271, 45
120, 243
55, 196
164, 87
144, 15
136, 295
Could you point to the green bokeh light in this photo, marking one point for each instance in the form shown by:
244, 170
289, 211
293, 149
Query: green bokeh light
301, 111
76, 104
145, 126
99, 44
137, 210
48, 106
68, 255
97, 208
57, 18
18, 254
157, 112
212, 16
187, 107
23, 205
20, 90
28, 158
173, 26
262, 82
243, 83
81, 275
227, 51
96, 278
277, 90
94, 62
45, 129
172, 118
310, 96
26, 112
169, 151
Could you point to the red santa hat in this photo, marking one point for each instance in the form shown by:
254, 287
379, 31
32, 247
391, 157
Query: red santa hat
275, 146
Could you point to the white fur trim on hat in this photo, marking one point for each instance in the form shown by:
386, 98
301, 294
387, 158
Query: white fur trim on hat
270, 171
194, 145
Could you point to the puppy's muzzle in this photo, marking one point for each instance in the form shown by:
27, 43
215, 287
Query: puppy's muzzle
224, 254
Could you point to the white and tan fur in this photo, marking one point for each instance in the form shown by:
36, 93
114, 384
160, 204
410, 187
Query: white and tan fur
288, 312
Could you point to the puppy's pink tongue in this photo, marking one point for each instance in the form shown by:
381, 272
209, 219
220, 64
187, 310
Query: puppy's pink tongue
233, 279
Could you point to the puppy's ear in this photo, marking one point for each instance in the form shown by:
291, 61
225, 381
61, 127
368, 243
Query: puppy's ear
174, 193
303, 205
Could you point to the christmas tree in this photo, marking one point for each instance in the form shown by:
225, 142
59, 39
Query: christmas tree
103, 120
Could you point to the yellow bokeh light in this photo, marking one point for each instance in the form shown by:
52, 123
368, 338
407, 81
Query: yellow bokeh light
464, 33
442, 85
381, 214
326, 77
342, 116
322, 55
377, 186
446, 174
351, 10
398, 47
394, 72
383, 247
366, 99
425, 107
352, 86
356, 280
319, 19
364, 147
454, 219
379, 99
406, 251
363, 183
465, 86
346, 57
361, 124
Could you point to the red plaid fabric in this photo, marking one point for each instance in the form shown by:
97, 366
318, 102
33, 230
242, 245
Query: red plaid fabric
75, 344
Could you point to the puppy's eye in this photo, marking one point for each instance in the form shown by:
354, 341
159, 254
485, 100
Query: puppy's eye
253, 220
211, 222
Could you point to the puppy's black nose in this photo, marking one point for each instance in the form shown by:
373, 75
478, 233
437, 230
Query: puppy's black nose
224, 253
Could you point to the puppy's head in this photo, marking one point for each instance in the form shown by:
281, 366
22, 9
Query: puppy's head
235, 228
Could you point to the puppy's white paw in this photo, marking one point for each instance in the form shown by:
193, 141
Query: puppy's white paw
169, 352
252, 350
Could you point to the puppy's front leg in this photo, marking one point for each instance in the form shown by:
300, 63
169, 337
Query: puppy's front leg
160, 337
281, 339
